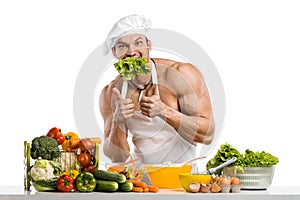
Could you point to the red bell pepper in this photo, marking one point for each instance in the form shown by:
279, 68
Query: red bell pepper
65, 183
57, 135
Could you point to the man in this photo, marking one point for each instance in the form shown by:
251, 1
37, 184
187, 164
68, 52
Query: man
166, 112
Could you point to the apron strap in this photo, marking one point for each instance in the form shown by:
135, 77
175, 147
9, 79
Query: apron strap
154, 80
124, 89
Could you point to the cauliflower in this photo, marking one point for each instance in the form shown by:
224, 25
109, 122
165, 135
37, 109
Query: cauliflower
44, 174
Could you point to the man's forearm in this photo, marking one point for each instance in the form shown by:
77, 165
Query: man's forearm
192, 128
116, 146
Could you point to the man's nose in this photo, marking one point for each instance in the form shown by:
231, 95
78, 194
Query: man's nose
131, 50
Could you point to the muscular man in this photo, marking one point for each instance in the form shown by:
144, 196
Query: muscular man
166, 112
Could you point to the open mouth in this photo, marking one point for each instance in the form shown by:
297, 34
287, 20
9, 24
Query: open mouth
135, 55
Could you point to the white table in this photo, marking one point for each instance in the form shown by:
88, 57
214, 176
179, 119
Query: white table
274, 193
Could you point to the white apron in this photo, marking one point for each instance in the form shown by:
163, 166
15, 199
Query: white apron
154, 140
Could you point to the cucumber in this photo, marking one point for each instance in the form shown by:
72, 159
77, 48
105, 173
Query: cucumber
126, 186
109, 176
106, 186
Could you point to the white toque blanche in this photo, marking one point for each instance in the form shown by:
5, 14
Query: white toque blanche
131, 24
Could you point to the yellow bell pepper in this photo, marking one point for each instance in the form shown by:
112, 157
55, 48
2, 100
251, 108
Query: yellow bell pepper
72, 172
71, 142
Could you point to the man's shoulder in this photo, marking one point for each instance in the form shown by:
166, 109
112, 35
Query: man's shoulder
114, 83
168, 63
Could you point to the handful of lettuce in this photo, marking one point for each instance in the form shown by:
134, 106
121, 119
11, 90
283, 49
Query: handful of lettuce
129, 68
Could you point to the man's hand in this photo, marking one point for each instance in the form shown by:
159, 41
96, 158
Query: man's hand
124, 108
151, 105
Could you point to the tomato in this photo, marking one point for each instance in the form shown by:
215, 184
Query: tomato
89, 168
84, 158
86, 144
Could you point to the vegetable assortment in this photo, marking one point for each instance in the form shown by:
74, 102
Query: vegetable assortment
62, 162
68, 163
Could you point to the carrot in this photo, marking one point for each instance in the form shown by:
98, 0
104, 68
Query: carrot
145, 189
138, 183
153, 188
137, 189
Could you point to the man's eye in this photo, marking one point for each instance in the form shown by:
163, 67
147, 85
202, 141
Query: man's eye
121, 46
139, 43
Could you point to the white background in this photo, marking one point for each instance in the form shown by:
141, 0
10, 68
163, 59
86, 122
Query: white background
255, 46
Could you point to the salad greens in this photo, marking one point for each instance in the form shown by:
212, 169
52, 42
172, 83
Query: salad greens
248, 159
225, 152
259, 159
129, 67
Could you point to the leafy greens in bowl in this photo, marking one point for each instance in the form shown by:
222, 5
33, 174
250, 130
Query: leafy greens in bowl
129, 68
248, 159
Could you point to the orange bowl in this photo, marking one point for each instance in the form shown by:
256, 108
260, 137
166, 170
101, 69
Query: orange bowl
166, 176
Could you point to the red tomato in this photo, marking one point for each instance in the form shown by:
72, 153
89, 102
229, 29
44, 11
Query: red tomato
84, 159
89, 168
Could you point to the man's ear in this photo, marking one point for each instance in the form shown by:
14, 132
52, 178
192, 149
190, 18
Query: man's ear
113, 51
149, 45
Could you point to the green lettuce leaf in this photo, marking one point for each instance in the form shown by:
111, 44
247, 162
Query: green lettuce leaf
129, 68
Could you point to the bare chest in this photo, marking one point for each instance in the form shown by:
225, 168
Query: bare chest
166, 96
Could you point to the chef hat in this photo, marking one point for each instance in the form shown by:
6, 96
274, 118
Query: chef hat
131, 24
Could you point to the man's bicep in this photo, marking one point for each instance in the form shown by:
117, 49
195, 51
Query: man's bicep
196, 101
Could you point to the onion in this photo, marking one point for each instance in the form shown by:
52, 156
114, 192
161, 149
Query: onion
86, 144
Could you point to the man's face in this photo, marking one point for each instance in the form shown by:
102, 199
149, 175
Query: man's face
134, 45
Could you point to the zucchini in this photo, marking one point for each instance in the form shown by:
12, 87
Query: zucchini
106, 186
126, 186
109, 176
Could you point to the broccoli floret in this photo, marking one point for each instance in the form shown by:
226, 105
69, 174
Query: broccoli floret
44, 147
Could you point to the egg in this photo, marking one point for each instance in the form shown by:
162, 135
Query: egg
194, 187
218, 179
235, 181
225, 181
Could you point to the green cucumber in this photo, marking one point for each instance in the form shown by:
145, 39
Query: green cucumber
109, 176
126, 186
106, 186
